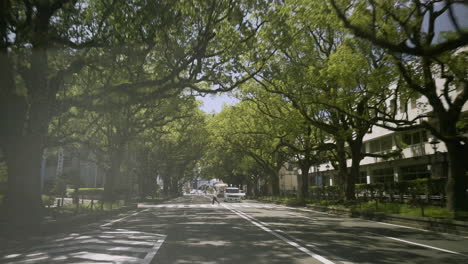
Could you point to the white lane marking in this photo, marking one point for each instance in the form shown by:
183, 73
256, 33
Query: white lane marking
402, 226
149, 257
426, 246
120, 219
292, 243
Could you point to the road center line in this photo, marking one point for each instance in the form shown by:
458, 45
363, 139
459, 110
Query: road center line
268, 230
426, 246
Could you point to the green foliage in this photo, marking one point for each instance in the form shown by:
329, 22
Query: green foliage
317, 193
48, 200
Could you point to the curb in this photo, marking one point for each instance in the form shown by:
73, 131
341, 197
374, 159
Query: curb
427, 223
433, 224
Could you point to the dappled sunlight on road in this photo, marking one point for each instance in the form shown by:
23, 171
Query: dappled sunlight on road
106, 245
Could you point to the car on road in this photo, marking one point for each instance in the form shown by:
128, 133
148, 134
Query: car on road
233, 194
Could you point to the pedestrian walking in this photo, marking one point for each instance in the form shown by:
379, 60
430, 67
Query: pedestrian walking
215, 199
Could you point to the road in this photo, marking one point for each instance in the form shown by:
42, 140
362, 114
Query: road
191, 230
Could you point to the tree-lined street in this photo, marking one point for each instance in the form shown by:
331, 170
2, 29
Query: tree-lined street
190, 229
359, 106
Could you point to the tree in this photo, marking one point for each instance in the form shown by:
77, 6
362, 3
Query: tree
31, 75
409, 31
180, 148
249, 132
330, 79
304, 143
44, 45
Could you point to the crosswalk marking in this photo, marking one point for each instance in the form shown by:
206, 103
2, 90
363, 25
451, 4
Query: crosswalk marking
212, 206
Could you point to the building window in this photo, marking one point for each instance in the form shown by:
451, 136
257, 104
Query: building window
414, 138
383, 175
414, 172
362, 177
381, 144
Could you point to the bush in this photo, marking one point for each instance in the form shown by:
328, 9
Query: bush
333, 192
316, 192
48, 200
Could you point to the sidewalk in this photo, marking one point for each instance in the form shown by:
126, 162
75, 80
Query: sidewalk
426, 223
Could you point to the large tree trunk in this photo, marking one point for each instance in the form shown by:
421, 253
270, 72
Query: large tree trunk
112, 174
274, 180
303, 182
24, 204
457, 180
342, 165
24, 126
356, 157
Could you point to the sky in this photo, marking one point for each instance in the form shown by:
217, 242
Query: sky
214, 103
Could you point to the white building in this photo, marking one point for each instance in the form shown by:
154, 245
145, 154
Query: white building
422, 154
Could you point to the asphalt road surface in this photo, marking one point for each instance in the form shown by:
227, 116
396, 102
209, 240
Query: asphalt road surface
191, 230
